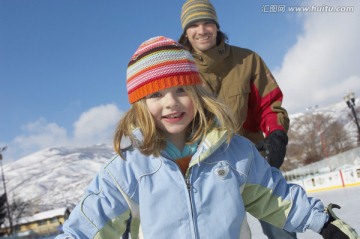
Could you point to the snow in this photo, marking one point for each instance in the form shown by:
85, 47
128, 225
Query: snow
41, 177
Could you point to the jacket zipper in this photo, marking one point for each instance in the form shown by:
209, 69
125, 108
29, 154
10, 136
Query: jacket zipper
188, 187
188, 184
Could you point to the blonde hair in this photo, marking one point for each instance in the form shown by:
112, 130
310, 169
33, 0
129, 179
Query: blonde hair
209, 113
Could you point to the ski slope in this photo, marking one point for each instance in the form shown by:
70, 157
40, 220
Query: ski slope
347, 198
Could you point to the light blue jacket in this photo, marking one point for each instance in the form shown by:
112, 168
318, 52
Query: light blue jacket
222, 183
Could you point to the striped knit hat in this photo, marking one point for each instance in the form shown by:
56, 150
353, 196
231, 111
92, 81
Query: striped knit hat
157, 64
197, 10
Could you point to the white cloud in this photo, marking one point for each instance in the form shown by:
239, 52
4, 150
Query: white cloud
97, 125
40, 134
323, 65
94, 126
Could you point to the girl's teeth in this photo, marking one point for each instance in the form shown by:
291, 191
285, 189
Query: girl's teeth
174, 116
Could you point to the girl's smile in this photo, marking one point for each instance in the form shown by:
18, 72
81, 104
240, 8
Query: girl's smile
174, 117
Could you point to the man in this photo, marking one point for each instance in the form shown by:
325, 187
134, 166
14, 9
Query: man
240, 79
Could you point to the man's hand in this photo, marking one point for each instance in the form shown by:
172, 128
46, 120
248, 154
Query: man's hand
335, 228
274, 147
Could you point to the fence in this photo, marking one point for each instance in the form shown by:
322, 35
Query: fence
342, 170
344, 160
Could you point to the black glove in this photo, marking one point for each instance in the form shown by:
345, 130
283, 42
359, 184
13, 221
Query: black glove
335, 228
274, 147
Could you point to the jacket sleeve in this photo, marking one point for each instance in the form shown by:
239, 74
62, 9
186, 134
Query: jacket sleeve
102, 213
267, 196
265, 101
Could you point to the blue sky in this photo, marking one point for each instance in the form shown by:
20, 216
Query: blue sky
63, 63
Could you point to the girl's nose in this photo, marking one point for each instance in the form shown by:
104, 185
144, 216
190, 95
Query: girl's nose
170, 100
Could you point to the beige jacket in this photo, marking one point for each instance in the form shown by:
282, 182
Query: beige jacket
240, 78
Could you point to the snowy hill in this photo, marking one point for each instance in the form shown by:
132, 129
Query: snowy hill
57, 177
338, 111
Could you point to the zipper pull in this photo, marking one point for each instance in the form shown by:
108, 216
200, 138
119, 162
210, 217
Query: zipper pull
188, 184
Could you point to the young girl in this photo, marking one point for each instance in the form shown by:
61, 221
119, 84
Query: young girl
183, 173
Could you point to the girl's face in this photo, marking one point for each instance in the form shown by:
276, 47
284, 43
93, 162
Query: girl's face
172, 110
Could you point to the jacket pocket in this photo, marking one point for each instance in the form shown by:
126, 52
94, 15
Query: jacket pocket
237, 99
235, 90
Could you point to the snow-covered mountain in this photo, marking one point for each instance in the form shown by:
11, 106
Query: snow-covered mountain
57, 177
339, 112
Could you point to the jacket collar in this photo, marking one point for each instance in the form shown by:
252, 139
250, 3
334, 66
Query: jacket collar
210, 143
211, 59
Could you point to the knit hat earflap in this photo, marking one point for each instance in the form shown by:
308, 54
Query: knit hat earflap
197, 10
159, 63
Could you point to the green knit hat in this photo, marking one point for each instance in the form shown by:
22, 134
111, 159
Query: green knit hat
197, 10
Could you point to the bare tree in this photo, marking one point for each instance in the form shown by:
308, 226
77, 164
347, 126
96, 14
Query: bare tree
294, 151
310, 129
313, 137
19, 209
337, 139
2, 211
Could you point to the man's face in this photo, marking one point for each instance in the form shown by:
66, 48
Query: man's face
202, 35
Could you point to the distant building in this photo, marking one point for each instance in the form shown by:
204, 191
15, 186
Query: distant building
42, 223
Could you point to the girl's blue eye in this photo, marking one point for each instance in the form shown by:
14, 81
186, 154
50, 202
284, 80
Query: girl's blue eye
154, 95
180, 90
